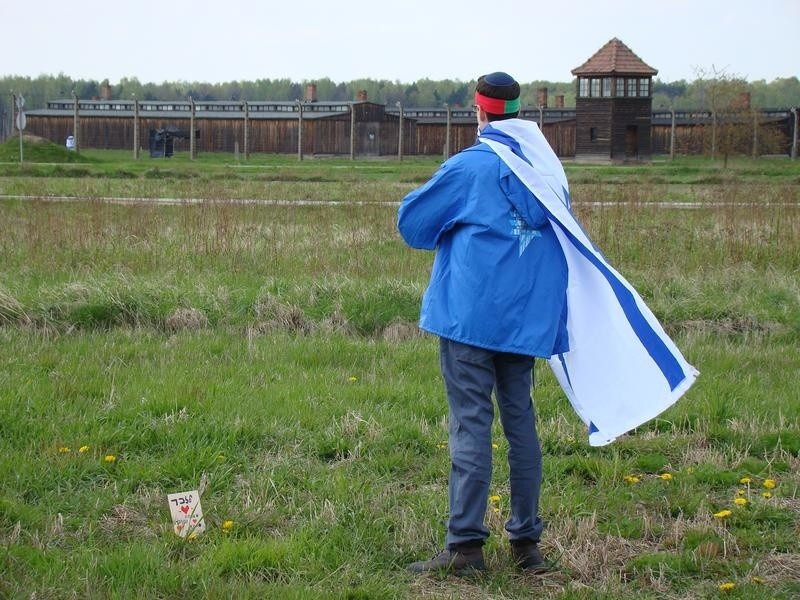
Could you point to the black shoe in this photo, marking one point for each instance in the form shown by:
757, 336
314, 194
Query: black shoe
459, 561
527, 556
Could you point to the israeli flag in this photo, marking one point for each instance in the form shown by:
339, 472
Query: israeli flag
622, 369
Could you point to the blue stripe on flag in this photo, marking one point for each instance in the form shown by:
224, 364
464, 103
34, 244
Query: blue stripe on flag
564, 366
655, 346
502, 137
652, 342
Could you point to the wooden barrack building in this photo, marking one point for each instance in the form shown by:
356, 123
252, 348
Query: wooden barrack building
613, 121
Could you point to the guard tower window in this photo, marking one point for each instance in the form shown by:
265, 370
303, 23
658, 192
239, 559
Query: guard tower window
644, 87
620, 87
583, 90
632, 87
606, 87
595, 88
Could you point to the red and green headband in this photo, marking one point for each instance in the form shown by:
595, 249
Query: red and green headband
496, 106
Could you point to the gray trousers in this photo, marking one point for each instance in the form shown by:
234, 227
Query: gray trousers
470, 375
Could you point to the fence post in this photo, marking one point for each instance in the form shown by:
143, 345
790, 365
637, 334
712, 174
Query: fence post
299, 130
713, 135
352, 131
14, 101
75, 122
447, 133
13, 113
246, 131
672, 135
400, 134
794, 134
135, 128
192, 141
755, 134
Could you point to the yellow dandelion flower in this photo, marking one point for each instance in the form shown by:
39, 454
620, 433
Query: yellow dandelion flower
494, 498
665, 476
441, 445
110, 458
495, 509
723, 513
767, 495
64, 450
192, 536
740, 501
745, 480
770, 484
740, 492
690, 470
757, 579
83, 449
220, 457
727, 586
227, 526
352, 379
495, 446
631, 479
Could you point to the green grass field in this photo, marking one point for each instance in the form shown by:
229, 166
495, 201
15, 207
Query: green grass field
267, 355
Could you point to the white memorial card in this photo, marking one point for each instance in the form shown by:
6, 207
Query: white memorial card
187, 515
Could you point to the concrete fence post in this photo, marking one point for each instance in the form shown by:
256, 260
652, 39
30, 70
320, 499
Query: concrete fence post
192, 140
352, 132
672, 134
76, 122
299, 130
400, 133
447, 133
713, 135
135, 128
755, 134
246, 131
13, 113
794, 134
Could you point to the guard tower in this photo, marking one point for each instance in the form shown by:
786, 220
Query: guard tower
613, 105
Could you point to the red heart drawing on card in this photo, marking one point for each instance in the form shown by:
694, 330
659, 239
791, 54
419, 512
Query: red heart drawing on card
185, 509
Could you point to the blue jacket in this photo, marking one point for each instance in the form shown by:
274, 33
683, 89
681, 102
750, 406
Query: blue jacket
499, 276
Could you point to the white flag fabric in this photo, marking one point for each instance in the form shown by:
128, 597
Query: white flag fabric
622, 369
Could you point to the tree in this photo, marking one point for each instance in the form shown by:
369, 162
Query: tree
727, 97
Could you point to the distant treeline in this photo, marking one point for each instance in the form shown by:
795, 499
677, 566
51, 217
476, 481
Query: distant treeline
779, 93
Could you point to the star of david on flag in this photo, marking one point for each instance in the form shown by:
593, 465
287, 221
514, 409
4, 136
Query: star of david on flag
522, 230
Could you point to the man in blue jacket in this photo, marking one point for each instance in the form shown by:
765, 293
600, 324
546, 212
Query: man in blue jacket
496, 299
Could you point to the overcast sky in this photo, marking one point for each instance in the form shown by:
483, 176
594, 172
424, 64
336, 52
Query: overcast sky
226, 40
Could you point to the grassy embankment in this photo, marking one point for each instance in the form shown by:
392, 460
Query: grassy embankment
267, 354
